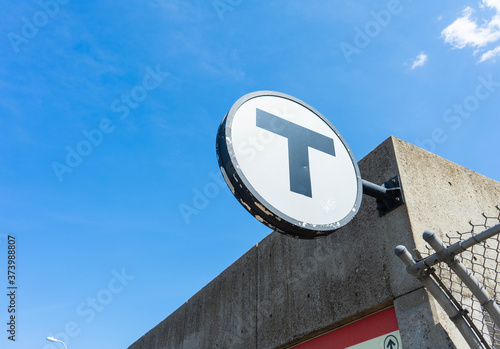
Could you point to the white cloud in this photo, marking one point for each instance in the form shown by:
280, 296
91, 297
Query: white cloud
490, 54
419, 61
493, 4
468, 30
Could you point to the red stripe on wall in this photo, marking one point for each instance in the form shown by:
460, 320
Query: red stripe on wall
360, 331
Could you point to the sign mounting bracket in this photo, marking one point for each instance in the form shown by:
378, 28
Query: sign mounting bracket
389, 195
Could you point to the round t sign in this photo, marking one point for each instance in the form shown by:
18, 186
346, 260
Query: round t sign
288, 166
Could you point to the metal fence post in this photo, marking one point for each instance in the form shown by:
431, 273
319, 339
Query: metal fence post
484, 298
442, 299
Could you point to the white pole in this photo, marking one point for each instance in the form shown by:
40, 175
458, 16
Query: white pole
52, 339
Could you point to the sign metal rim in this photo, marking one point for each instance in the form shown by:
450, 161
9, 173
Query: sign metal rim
252, 200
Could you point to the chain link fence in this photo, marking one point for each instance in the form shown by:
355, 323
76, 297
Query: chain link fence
463, 273
482, 260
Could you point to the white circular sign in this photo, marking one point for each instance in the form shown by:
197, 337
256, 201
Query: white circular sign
288, 166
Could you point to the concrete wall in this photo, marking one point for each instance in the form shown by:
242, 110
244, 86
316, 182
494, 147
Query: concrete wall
284, 290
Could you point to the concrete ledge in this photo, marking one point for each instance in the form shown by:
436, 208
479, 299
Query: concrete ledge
421, 322
219, 316
284, 291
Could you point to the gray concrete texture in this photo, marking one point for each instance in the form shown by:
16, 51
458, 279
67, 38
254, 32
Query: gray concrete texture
284, 291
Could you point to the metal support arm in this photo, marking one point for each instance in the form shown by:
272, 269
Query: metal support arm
389, 196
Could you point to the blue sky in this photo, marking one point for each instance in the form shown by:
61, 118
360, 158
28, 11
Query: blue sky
108, 117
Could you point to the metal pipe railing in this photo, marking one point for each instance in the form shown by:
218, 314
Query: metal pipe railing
451, 251
438, 294
484, 298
